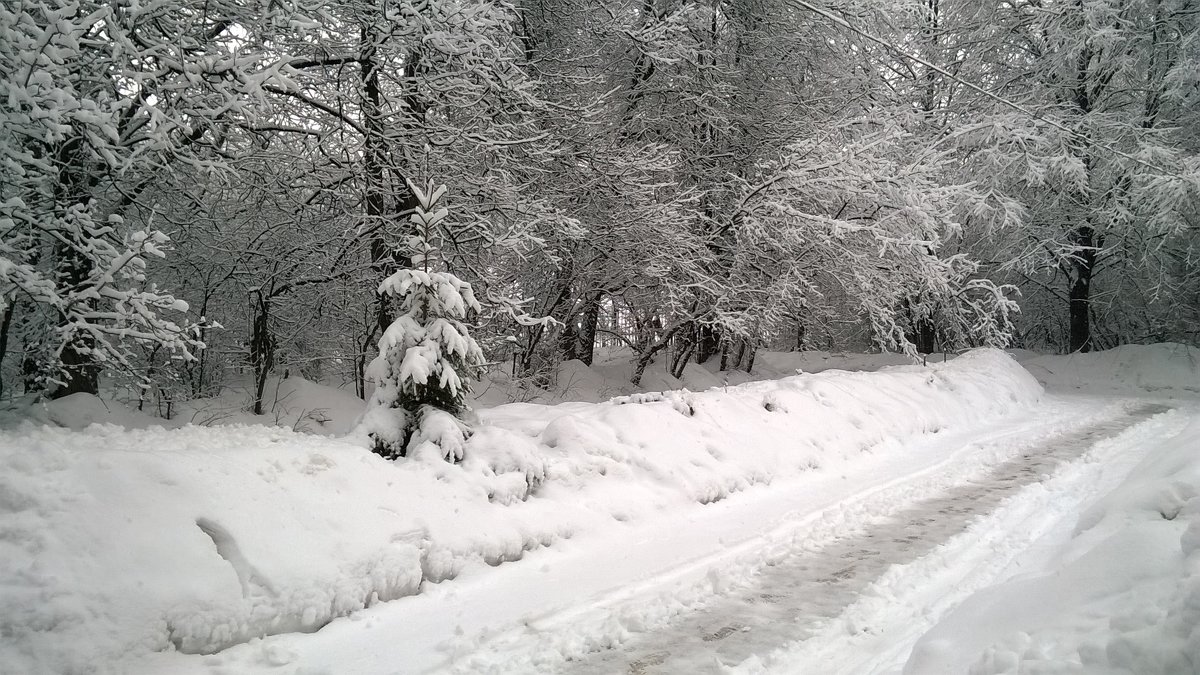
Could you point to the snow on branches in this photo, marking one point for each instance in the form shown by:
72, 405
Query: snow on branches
866, 218
97, 304
102, 102
427, 355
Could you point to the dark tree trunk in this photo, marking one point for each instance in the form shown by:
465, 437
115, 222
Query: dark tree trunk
646, 354
708, 343
262, 346
568, 340
5, 324
681, 359
81, 374
589, 320
375, 201
739, 355
1082, 267
925, 336
361, 361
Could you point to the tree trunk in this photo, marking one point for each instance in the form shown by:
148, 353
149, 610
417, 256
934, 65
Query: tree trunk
1082, 267
681, 359
73, 267
708, 343
568, 341
738, 355
5, 323
81, 376
80, 372
652, 348
374, 201
262, 347
925, 336
587, 328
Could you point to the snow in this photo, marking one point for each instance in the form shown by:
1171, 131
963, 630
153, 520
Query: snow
877, 632
608, 376
784, 561
1163, 369
1117, 592
292, 402
567, 530
120, 543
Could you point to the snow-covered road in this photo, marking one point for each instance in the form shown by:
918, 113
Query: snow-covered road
793, 598
844, 572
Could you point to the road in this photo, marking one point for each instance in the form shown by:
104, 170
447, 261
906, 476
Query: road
793, 598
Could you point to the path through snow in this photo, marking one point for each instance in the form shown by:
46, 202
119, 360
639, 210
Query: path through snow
800, 593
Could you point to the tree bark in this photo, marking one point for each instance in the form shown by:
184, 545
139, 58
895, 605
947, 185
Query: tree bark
708, 343
589, 320
262, 347
5, 324
1082, 267
373, 162
80, 371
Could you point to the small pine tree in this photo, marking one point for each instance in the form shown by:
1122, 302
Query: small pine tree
427, 357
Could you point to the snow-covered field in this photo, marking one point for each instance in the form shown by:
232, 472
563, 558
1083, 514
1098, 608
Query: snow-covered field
579, 527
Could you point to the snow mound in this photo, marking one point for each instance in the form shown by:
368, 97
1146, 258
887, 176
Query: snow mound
1166, 368
118, 543
200, 538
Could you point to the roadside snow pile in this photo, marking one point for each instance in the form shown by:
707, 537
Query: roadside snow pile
1165, 368
1121, 596
117, 542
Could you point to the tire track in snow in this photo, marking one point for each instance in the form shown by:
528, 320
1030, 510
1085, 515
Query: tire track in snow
794, 597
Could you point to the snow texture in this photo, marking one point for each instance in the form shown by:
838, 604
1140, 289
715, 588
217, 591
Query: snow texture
1163, 369
1118, 593
120, 543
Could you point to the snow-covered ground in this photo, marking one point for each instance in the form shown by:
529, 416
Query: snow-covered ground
578, 532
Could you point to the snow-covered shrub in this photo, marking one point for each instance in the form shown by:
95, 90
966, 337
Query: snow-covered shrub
427, 356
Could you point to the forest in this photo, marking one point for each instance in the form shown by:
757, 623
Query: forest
193, 189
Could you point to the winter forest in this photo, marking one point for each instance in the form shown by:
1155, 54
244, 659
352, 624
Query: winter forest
643, 337
193, 189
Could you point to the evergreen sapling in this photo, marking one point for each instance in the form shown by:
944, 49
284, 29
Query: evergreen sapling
427, 356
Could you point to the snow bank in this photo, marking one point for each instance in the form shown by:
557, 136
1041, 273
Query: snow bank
1122, 595
1165, 368
122, 542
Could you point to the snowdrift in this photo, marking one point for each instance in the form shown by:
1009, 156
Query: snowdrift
122, 542
1163, 369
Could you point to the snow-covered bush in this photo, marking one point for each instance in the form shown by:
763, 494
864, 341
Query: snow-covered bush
427, 356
